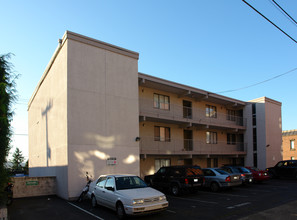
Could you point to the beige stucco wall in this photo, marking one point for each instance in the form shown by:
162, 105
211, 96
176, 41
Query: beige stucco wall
33, 186
102, 113
47, 119
176, 103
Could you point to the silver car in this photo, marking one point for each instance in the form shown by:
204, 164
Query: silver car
217, 179
127, 195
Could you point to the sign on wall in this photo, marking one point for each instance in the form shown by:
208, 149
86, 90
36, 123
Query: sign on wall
111, 161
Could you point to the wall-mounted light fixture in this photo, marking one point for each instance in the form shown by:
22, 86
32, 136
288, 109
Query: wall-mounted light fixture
137, 139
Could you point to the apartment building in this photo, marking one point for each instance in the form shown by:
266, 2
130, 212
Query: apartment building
288, 146
92, 111
184, 125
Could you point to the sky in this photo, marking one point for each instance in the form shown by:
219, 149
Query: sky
212, 45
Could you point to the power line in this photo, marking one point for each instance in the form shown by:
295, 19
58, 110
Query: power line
234, 90
270, 21
292, 19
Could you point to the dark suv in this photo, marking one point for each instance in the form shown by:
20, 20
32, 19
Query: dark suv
245, 175
285, 168
177, 179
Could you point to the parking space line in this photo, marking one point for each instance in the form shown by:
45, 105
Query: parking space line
238, 205
171, 211
255, 190
223, 194
85, 211
196, 200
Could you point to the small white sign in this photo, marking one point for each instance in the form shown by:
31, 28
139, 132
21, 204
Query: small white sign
111, 161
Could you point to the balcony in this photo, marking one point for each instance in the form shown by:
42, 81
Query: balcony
189, 147
183, 114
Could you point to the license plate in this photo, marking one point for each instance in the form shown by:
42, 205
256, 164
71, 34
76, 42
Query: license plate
195, 180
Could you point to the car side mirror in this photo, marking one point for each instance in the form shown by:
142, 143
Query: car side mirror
110, 188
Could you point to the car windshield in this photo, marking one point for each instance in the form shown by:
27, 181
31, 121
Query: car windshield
129, 182
243, 170
223, 172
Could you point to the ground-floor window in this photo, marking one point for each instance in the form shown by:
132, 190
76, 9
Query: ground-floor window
161, 163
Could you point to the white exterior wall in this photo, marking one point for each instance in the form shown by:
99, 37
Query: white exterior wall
269, 131
84, 111
102, 113
47, 119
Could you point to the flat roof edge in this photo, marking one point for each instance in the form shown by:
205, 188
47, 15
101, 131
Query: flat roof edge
100, 44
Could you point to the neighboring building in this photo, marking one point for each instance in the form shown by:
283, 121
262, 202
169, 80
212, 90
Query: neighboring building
289, 147
267, 131
93, 112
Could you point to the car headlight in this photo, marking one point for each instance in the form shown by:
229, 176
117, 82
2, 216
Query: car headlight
161, 198
137, 201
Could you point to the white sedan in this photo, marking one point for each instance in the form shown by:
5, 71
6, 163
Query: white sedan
126, 194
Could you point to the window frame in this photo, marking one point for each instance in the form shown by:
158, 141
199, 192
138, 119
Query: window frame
231, 139
231, 115
163, 162
162, 134
292, 145
162, 105
212, 138
211, 111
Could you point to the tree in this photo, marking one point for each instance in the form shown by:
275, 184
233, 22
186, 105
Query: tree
7, 97
17, 160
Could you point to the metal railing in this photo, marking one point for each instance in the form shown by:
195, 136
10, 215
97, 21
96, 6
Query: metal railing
189, 146
194, 115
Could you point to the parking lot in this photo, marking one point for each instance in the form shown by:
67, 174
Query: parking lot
271, 200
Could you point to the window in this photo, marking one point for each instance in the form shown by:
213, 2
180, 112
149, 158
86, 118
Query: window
110, 183
161, 163
292, 144
161, 101
231, 139
211, 137
162, 134
211, 111
231, 115
101, 182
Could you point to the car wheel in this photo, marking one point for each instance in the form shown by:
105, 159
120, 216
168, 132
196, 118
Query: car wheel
214, 187
120, 211
94, 201
175, 190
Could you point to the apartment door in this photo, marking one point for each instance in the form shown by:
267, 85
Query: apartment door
188, 140
187, 109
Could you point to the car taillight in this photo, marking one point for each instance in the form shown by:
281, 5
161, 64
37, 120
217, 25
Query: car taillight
186, 181
243, 175
228, 179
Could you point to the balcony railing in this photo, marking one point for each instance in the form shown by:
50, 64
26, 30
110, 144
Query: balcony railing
188, 146
194, 115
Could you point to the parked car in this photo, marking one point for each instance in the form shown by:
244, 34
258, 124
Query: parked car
258, 175
285, 168
127, 195
177, 179
245, 174
217, 179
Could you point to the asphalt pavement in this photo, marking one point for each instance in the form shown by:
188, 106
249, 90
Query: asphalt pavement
52, 207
